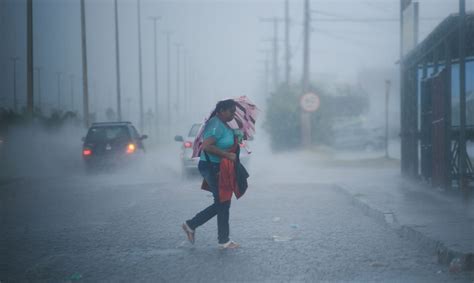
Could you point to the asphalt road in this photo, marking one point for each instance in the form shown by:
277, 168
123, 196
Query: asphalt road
122, 226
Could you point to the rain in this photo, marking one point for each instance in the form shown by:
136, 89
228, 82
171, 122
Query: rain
345, 181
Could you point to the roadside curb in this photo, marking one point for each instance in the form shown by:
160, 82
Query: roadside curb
454, 259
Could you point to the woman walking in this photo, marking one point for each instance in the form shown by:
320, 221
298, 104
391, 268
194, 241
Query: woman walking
218, 144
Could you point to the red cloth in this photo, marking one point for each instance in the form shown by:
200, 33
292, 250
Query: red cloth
227, 183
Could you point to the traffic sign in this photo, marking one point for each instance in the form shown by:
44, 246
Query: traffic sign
309, 102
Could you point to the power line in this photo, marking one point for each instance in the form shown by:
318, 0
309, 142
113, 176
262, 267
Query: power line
341, 37
341, 18
383, 8
370, 20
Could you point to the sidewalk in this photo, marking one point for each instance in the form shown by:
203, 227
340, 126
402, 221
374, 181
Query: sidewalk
441, 221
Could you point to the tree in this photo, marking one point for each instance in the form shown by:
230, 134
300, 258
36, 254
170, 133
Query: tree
282, 118
283, 114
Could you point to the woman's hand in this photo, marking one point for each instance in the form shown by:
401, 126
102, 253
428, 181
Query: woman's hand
231, 156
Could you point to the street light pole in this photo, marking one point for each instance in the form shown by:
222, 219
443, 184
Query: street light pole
178, 49
305, 117
71, 77
140, 93
85, 86
59, 90
15, 101
38, 70
266, 82
168, 81
29, 59
155, 19
276, 70
128, 107
117, 59
267, 73
185, 82
287, 44
387, 96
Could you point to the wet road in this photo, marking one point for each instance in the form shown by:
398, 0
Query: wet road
124, 227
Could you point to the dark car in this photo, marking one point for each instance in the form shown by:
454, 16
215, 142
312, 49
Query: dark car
112, 143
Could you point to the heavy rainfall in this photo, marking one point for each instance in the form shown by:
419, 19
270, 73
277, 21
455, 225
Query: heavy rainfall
350, 120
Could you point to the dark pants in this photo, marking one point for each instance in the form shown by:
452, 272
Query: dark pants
210, 172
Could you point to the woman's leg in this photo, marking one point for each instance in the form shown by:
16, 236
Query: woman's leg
223, 221
209, 173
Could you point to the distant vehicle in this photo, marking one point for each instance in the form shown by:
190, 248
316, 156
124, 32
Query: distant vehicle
358, 138
111, 144
189, 164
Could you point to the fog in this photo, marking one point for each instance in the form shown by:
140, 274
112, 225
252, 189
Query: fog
221, 54
334, 208
31, 154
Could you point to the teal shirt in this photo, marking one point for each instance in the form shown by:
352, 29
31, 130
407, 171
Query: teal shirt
222, 133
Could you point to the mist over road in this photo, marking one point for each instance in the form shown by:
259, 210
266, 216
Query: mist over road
293, 225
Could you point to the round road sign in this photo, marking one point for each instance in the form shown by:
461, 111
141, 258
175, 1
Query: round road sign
309, 102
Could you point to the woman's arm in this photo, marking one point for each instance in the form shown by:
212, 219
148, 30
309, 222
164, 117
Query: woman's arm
209, 146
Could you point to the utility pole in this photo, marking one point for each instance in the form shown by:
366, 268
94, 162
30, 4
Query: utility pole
95, 99
117, 60
85, 87
287, 44
140, 92
38, 70
178, 49
305, 116
189, 83
403, 129
266, 63
15, 100
29, 59
155, 19
267, 74
306, 34
387, 97
276, 71
59, 90
168, 82
185, 81
128, 108
462, 97
71, 77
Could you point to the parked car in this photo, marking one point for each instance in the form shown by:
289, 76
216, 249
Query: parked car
359, 138
189, 164
111, 144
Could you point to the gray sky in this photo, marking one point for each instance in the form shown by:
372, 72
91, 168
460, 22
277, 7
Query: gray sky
222, 40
